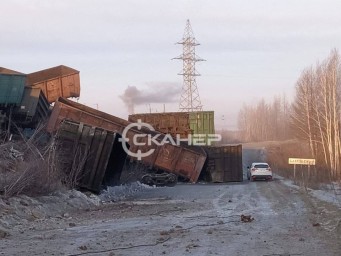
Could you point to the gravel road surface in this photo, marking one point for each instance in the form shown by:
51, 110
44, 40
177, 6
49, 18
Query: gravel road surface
190, 219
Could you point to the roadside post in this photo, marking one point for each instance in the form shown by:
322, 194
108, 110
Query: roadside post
302, 161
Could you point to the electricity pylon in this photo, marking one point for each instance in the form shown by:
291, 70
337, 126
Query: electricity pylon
190, 99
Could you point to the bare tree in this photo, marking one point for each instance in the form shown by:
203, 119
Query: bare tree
302, 109
316, 112
264, 121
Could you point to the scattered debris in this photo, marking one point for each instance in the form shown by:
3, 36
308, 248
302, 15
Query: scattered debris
83, 247
192, 245
246, 218
3, 234
118, 193
164, 233
16, 154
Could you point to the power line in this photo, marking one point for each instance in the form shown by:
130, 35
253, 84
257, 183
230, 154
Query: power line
190, 99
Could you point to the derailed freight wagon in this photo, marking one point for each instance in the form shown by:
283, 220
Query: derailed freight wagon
25, 106
90, 156
172, 123
223, 164
183, 124
12, 85
180, 160
60, 81
33, 108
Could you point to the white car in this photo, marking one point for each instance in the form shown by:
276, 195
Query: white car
259, 171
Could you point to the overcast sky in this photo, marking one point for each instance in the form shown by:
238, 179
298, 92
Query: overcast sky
254, 49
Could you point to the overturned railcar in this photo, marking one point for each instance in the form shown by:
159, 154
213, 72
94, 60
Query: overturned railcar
22, 105
59, 81
91, 157
181, 160
33, 109
223, 164
12, 85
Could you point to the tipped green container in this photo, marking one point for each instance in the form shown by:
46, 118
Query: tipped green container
12, 85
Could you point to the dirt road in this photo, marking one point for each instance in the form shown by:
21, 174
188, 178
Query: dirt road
189, 220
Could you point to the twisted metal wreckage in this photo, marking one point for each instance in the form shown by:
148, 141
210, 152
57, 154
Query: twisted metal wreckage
94, 138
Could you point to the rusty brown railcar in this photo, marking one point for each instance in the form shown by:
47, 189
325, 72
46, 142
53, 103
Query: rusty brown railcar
223, 164
90, 156
180, 160
168, 123
60, 81
181, 124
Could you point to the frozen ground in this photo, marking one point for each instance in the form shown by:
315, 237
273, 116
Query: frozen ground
197, 219
21, 210
189, 220
327, 193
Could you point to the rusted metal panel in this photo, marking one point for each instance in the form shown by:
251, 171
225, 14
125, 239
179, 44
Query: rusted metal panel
179, 123
168, 123
70, 110
9, 71
168, 156
190, 165
224, 163
181, 160
60, 81
89, 154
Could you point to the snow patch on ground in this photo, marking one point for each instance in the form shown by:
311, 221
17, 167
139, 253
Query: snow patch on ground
330, 193
327, 197
23, 209
288, 183
20, 210
118, 193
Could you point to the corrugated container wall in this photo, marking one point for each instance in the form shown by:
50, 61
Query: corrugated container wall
60, 81
33, 107
168, 123
223, 164
12, 85
182, 123
93, 152
202, 123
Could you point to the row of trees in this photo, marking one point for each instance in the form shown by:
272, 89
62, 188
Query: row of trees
313, 116
265, 121
316, 112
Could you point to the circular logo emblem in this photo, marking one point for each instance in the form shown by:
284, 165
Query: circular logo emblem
139, 154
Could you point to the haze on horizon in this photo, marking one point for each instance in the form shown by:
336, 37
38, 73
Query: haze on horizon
254, 49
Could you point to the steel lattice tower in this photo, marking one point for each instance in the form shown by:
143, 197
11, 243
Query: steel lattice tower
190, 99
